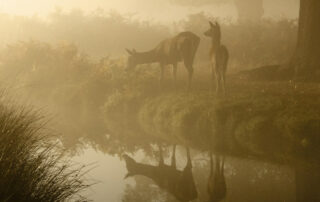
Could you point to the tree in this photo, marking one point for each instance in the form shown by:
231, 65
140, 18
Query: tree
306, 60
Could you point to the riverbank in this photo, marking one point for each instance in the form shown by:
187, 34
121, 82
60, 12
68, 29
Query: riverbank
277, 121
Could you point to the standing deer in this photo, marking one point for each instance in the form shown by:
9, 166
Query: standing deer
217, 188
178, 183
219, 56
182, 47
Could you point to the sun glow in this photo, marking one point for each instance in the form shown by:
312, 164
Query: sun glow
43, 7
143, 9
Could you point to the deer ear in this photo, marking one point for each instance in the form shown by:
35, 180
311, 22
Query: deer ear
211, 24
128, 175
129, 51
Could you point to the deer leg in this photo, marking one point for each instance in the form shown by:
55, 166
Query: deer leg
174, 70
189, 68
161, 161
217, 75
217, 169
218, 81
189, 163
161, 75
213, 76
190, 71
222, 165
211, 163
173, 159
224, 83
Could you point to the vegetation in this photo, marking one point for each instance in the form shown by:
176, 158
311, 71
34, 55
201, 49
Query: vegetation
32, 166
98, 98
275, 121
115, 111
108, 34
107, 31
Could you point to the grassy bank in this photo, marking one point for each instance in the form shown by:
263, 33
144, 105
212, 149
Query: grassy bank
278, 121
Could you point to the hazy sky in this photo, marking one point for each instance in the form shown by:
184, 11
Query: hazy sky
158, 10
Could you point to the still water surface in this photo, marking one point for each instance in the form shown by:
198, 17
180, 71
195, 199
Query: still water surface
247, 180
108, 172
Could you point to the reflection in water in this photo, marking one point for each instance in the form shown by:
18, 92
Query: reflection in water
217, 188
178, 183
247, 180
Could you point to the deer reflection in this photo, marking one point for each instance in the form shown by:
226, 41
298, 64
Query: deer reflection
178, 183
217, 188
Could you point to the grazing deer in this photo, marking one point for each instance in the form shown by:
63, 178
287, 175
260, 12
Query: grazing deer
219, 56
178, 183
217, 188
182, 47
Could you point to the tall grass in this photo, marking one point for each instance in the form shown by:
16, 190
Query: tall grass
31, 166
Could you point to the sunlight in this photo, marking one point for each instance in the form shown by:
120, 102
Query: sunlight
43, 7
159, 100
142, 9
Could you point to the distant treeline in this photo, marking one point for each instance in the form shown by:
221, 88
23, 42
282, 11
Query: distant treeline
108, 33
98, 33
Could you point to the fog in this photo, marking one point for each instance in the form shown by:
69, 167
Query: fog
159, 100
143, 9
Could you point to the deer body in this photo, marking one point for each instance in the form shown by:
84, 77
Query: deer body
217, 188
219, 57
179, 183
171, 51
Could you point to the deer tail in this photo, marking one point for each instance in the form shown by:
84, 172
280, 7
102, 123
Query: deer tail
131, 166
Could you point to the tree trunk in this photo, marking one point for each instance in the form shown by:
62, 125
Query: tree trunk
306, 60
249, 10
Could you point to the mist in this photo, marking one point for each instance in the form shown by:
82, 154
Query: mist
159, 100
145, 10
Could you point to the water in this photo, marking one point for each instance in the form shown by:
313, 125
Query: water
247, 180
107, 172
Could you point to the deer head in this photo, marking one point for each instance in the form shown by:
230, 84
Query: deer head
214, 31
132, 59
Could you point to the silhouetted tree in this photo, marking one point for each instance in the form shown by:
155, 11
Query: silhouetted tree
306, 59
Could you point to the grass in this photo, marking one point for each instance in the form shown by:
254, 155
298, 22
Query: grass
32, 167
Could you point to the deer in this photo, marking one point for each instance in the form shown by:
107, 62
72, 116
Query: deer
219, 57
178, 183
170, 51
217, 188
